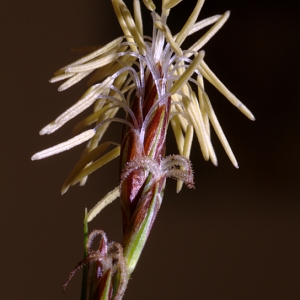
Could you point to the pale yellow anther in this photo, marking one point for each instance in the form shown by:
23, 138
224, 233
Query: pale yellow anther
187, 73
188, 139
138, 16
183, 121
131, 26
84, 102
107, 199
101, 131
73, 80
95, 64
198, 125
214, 80
60, 77
96, 165
108, 48
191, 110
166, 31
204, 23
189, 24
178, 133
201, 105
75, 141
168, 4
149, 4
92, 118
218, 129
84, 161
123, 25
210, 33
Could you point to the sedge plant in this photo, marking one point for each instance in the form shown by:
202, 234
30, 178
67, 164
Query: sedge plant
157, 84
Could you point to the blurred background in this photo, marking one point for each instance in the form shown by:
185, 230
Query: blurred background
235, 237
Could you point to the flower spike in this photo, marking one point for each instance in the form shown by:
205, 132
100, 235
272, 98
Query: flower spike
156, 83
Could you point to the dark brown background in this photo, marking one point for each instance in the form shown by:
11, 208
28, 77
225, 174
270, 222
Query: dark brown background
235, 237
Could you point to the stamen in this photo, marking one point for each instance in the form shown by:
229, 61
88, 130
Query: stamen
189, 24
180, 108
119, 93
182, 114
167, 60
135, 54
109, 198
171, 3
149, 4
123, 25
188, 139
218, 129
100, 132
138, 16
201, 105
198, 124
214, 80
73, 80
133, 72
115, 120
91, 118
96, 165
154, 72
75, 141
115, 44
85, 160
158, 40
125, 65
86, 101
131, 26
177, 69
187, 73
60, 77
204, 23
166, 31
98, 63
119, 103
175, 123
211, 32
142, 78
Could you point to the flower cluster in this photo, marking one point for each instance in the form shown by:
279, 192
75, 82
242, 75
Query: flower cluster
156, 83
